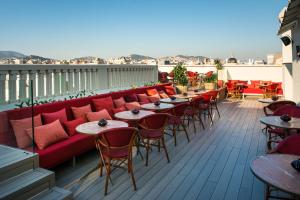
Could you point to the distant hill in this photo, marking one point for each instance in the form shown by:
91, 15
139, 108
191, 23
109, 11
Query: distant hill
186, 57
35, 57
139, 57
85, 58
11, 54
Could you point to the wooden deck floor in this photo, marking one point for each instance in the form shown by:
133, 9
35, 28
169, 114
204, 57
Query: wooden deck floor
214, 165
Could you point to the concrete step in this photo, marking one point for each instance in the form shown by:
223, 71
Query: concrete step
54, 193
15, 161
27, 184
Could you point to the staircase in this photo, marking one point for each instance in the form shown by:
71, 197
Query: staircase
21, 177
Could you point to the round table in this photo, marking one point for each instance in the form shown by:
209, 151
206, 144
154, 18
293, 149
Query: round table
277, 122
175, 101
162, 106
267, 100
92, 128
128, 115
276, 171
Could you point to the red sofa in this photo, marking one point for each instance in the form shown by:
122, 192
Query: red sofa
67, 149
253, 87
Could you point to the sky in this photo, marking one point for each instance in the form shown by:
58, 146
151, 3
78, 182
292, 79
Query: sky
64, 29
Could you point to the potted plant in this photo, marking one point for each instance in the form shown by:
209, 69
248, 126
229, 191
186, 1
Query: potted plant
180, 78
210, 81
219, 67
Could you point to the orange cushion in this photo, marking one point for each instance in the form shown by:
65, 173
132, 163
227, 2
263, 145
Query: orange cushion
80, 112
70, 126
143, 98
154, 98
61, 115
170, 90
48, 134
120, 109
119, 102
163, 95
20, 126
104, 103
133, 105
151, 92
96, 116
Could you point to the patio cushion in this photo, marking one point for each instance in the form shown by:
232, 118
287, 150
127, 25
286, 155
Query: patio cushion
131, 98
133, 105
163, 95
20, 126
253, 91
80, 112
48, 134
154, 98
120, 109
70, 126
96, 116
64, 150
51, 117
151, 92
104, 103
170, 90
143, 98
119, 102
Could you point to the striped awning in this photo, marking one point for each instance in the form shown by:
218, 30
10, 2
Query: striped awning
291, 16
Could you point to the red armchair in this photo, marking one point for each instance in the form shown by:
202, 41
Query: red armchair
116, 145
194, 112
269, 109
289, 145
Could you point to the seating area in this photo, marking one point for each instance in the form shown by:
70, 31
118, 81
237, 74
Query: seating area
240, 88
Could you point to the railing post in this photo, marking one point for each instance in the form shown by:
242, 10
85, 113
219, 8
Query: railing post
82, 79
76, 80
12, 86
41, 83
2, 86
49, 88
32, 76
56, 82
70, 87
63, 81
94, 79
22, 84
88, 79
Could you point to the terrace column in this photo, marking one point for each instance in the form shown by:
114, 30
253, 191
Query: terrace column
76, 80
22, 84
12, 86
64, 82
32, 76
56, 82
94, 79
49, 89
41, 83
82, 79
70, 87
88, 79
2, 86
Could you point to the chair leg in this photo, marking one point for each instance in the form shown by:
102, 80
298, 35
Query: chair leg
147, 151
184, 129
107, 177
174, 135
158, 145
165, 148
201, 121
193, 118
100, 167
130, 169
210, 116
217, 109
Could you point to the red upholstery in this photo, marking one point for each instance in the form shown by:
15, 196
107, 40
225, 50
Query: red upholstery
170, 90
289, 145
51, 117
65, 150
70, 126
293, 111
151, 92
131, 98
104, 103
73, 146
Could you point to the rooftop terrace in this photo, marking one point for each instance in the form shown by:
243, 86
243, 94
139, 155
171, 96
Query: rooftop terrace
214, 165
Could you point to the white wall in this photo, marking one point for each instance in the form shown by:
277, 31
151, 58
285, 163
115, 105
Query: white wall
239, 72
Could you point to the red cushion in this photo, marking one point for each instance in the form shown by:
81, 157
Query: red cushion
131, 98
151, 92
120, 109
119, 102
51, 117
170, 90
132, 105
48, 134
96, 116
64, 150
252, 91
154, 98
80, 112
70, 126
104, 103
163, 95
143, 98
